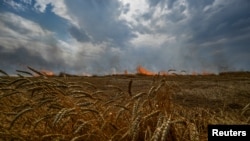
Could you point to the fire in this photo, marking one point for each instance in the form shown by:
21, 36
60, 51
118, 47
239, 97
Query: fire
47, 73
141, 70
126, 72
194, 73
202, 73
207, 73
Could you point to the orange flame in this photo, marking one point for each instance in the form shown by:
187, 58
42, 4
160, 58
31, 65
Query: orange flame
126, 72
194, 73
141, 70
202, 73
47, 73
207, 73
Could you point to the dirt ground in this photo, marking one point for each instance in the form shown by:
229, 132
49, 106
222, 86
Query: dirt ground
230, 92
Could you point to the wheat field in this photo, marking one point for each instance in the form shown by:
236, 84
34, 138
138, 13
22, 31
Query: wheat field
120, 107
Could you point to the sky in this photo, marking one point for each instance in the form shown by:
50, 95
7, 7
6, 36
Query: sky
111, 36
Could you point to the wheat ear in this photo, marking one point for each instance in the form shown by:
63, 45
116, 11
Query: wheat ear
25, 72
35, 71
3, 72
18, 115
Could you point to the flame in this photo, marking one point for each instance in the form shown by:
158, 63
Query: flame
207, 73
194, 73
47, 73
126, 72
141, 70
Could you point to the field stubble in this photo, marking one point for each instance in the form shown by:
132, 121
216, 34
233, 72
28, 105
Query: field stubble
135, 107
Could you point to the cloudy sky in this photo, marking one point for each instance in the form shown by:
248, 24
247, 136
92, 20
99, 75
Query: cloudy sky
110, 36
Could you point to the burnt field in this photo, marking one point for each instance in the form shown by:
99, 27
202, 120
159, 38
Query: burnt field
121, 107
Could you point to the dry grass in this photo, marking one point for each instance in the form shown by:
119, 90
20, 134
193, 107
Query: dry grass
173, 108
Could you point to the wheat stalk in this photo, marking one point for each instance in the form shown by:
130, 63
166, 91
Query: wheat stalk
81, 94
90, 84
25, 72
125, 108
157, 133
20, 75
80, 127
245, 109
114, 87
135, 128
36, 71
47, 100
41, 119
97, 92
159, 86
83, 104
135, 109
65, 113
59, 116
124, 135
151, 91
3, 72
79, 137
130, 87
151, 114
138, 95
108, 102
148, 133
165, 129
117, 133
45, 137
120, 111
9, 94
193, 133
19, 115
19, 79
90, 110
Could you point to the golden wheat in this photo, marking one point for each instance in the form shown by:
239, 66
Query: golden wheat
35, 108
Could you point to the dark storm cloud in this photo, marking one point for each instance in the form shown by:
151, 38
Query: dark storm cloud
100, 20
24, 42
170, 3
22, 57
98, 36
222, 28
156, 13
229, 19
79, 34
154, 2
200, 4
177, 14
162, 3
213, 34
